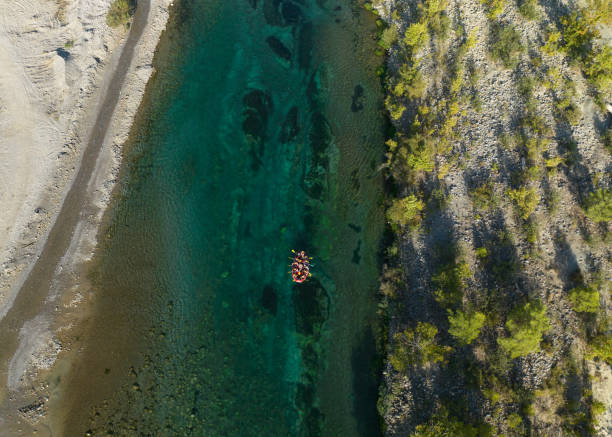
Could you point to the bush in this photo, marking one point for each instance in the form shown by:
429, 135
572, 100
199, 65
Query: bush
599, 69
441, 425
388, 37
483, 196
482, 252
529, 9
494, 7
416, 347
585, 299
120, 12
598, 408
514, 421
406, 211
526, 325
450, 281
465, 327
416, 35
600, 348
598, 206
525, 200
506, 45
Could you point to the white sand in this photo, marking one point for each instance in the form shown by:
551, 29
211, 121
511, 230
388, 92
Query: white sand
56, 59
54, 56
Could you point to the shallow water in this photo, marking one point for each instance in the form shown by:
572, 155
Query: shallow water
260, 133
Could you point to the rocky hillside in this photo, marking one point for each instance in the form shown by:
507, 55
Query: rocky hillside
497, 286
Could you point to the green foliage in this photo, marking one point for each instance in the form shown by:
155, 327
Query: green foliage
450, 282
120, 12
578, 32
585, 299
600, 347
388, 37
483, 196
416, 347
494, 7
396, 109
598, 69
514, 421
482, 252
506, 45
598, 206
529, 9
525, 200
406, 211
465, 327
526, 325
598, 408
421, 160
416, 35
442, 425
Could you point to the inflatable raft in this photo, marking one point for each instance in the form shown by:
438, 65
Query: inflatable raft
300, 267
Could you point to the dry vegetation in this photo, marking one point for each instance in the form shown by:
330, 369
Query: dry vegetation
496, 288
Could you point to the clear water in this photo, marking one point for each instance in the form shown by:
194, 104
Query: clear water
260, 133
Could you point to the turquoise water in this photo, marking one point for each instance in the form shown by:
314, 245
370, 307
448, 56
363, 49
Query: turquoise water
261, 132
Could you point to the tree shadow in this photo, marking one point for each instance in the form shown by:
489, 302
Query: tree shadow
366, 365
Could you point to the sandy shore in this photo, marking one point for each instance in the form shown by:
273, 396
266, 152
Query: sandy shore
69, 89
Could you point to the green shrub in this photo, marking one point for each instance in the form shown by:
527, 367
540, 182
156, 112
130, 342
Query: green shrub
494, 7
465, 327
514, 421
450, 282
421, 160
388, 37
441, 425
416, 347
120, 12
406, 211
585, 299
416, 35
598, 206
525, 200
483, 196
598, 408
598, 69
600, 347
526, 325
529, 9
482, 252
506, 45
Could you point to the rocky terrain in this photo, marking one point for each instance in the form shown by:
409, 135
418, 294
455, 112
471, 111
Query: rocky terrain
496, 289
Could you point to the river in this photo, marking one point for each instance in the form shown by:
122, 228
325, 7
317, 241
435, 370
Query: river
260, 132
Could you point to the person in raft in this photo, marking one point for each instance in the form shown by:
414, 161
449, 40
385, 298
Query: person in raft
300, 268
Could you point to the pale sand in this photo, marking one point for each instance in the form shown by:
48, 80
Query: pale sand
69, 89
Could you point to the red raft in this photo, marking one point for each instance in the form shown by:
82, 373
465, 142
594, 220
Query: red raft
300, 267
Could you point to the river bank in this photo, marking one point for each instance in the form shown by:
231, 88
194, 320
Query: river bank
78, 84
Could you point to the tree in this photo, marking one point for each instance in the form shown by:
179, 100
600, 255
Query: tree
406, 211
416, 347
525, 200
465, 327
526, 324
598, 206
585, 299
